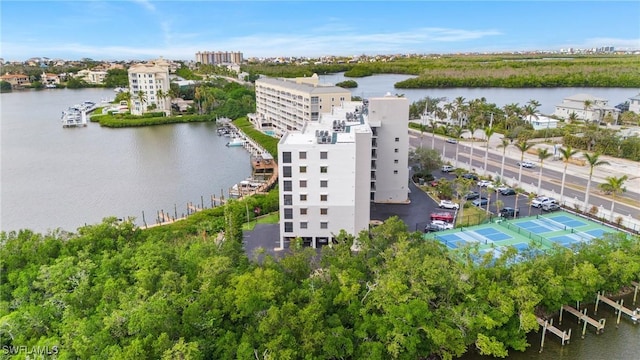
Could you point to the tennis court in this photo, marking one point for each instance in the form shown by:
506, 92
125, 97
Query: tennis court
528, 234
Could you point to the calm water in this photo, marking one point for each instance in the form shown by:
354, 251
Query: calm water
379, 85
54, 177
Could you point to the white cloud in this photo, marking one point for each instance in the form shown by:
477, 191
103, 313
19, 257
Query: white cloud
146, 4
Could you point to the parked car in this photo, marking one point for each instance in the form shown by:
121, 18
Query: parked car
433, 183
484, 183
526, 164
470, 176
447, 168
552, 206
509, 212
448, 204
507, 192
502, 187
472, 195
451, 141
438, 225
480, 201
541, 200
443, 216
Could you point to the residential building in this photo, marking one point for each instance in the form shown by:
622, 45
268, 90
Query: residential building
541, 122
287, 104
587, 108
16, 80
333, 167
634, 104
218, 57
149, 86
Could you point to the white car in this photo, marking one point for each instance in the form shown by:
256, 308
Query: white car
442, 225
501, 188
540, 200
484, 183
447, 168
448, 204
526, 164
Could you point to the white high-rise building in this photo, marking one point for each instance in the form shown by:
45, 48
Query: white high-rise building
149, 87
333, 168
287, 104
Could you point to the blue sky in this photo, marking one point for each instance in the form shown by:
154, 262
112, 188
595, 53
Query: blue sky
146, 29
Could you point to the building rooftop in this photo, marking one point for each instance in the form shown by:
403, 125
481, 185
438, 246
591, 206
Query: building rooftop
303, 87
339, 126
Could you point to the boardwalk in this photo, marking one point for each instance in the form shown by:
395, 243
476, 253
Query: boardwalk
619, 307
598, 324
548, 326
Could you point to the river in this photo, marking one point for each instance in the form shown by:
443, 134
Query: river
55, 177
65, 178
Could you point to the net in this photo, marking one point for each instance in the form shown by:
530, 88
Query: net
553, 223
476, 236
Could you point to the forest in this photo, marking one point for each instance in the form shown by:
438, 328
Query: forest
188, 290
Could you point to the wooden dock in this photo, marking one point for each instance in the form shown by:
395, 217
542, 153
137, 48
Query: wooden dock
582, 316
547, 325
635, 292
619, 307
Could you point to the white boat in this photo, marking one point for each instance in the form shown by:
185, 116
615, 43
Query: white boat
74, 117
237, 141
120, 89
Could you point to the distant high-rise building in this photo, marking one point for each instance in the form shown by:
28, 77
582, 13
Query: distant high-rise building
218, 57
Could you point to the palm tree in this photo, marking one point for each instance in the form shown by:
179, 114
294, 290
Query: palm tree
460, 107
523, 146
433, 125
593, 160
126, 96
543, 154
456, 132
503, 144
472, 130
488, 132
587, 105
573, 117
614, 186
567, 153
161, 95
142, 97
445, 131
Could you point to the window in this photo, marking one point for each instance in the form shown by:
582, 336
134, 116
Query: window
303, 183
286, 171
288, 213
395, 161
288, 199
323, 197
286, 157
303, 211
303, 225
397, 139
303, 169
324, 183
303, 197
323, 155
324, 211
287, 185
395, 150
323, 225
395, 172
302, 155
288, 226
323, 169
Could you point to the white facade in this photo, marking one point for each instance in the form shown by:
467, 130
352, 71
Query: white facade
149, 87
541, 122
634, 104
596, 110
331, 169
287, 104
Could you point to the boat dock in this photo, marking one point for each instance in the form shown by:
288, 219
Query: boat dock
582, 316
547, 325
619, 307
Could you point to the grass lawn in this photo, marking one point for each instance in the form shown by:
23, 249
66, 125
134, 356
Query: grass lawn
472, 215
272, 218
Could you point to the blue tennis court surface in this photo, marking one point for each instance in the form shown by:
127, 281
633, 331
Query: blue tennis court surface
521, 246
493, 234
535, 227
567, 221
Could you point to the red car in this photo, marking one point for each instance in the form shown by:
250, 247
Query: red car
444, 216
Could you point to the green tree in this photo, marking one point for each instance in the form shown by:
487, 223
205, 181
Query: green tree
523, 146
427, 159
488, 133
5, 86
614, 186
543, 154
593, 160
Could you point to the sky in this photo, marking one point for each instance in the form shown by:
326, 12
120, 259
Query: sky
147, 29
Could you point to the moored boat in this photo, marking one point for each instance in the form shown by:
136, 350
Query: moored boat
236, 141
74, 117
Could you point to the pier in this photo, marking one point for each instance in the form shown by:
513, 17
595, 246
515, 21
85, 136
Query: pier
547, 325
598, 324
619, 307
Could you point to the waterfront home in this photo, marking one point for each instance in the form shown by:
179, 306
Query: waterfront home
634, 104
540, 122
16, 80
49, 79
149, 85
587, 108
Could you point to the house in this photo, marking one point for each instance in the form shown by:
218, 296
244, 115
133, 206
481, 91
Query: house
49, 79
634, 104
541, 122
587, 108
16, 80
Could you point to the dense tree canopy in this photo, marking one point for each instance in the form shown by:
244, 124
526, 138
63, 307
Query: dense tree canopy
114, 291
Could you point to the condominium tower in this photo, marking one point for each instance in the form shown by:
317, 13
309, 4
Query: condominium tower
332, 168
149, 87
218, 57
